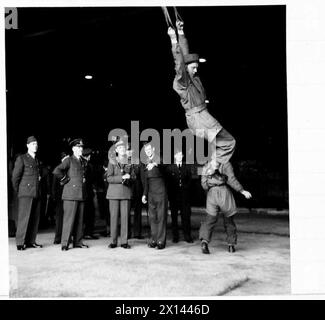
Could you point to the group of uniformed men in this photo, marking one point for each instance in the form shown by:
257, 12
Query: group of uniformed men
143, 182
147, 182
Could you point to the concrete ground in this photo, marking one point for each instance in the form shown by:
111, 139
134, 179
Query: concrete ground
260, 266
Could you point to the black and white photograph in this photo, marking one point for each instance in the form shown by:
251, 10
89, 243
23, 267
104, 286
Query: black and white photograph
147, 151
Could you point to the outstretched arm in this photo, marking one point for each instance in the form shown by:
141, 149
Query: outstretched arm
182, 79
233, 182
181, 37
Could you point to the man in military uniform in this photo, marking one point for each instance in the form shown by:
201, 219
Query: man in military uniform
216, 180
120, 176
26, 179
179, 177
154, 191
72, 174
193, 98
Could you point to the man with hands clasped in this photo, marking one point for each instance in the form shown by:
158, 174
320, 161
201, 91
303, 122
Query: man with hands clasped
154, 191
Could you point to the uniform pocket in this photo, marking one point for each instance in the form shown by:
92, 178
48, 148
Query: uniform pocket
72, 191
29, 170
27, 189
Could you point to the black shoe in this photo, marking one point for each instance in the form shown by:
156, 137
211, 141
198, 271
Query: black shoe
65, 248
152, 244
160, 246
125, 246
112, 245
189, 240
205, 247
21, 247
231, 249
81, 245
57, 242
34, 245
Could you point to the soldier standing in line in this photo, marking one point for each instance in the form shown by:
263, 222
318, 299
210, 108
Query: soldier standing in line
26, 178
120, 176
179, 177
72, 173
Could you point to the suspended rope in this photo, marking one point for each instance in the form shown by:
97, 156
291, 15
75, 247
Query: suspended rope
167, 17
177, 15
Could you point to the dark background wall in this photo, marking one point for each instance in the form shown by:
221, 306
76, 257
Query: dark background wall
127, 51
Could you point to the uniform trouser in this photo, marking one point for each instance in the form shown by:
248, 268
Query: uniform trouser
181, 203
210, 222
72, 222
157, 205
89, 216
28, 220
225, 144
137, 217
116, 207
58, 220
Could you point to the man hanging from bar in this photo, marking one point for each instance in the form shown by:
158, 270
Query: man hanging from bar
193, 98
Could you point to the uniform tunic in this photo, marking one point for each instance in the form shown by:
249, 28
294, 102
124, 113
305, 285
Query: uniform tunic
154, 189
193, 100
26, 183
73, 195
178, 186
193, 96
220, 197
119, 195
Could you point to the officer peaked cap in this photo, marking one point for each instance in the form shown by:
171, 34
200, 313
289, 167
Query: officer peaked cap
77, 142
